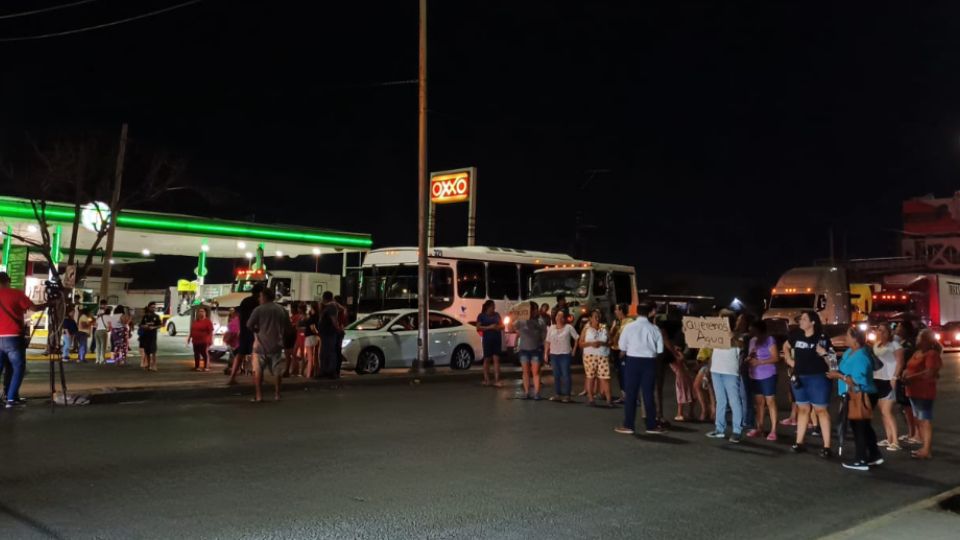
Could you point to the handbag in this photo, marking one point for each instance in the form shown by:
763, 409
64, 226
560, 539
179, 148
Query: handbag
858, 405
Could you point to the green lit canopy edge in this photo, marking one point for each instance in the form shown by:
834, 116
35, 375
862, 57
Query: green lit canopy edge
11, 207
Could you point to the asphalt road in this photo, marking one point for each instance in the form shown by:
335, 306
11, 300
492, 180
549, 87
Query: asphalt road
427, 461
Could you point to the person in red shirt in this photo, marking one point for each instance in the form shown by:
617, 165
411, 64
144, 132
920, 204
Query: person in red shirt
13, 347
920, 378
201, 334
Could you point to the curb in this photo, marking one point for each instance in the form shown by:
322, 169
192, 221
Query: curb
878, 522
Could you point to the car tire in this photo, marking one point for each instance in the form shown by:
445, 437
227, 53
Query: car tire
462, 358
171, 329
370, 361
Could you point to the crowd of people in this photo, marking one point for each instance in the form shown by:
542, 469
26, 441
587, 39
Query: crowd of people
900, 370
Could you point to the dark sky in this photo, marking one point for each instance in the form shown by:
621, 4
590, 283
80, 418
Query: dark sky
735, 134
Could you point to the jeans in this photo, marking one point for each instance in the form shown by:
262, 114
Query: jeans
727, 388
82, 341
13, 359
66, 343
561, 374
639, 374
749, 414
100, 341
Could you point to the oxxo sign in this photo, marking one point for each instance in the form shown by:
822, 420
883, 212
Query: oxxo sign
450, 187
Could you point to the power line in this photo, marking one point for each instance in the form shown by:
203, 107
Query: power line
99, 26
44, 10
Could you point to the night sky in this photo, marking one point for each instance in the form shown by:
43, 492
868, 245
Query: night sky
734, 135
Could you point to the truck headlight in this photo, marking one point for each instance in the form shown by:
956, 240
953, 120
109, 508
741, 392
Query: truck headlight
863, 327
346, 343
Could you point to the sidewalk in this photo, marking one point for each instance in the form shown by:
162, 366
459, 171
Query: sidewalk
927, 519
177, 380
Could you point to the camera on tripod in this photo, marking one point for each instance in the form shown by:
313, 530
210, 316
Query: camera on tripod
53, 289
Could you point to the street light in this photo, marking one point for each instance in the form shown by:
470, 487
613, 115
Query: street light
279, 253
205, 248
248, 255
146, 252
241, 245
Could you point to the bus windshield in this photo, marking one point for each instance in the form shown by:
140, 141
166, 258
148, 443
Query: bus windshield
395, 287
565, 282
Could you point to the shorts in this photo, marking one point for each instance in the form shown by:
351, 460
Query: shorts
596, 366
531, 357
148, 342
311, 341
922, 408
275, 362
813, 389
763, 387
246, 343
885, 389
491, 348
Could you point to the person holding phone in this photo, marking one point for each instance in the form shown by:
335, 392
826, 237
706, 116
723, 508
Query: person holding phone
149, 326
809, 352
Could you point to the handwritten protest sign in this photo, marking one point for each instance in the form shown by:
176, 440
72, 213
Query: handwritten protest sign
520, 312
703, 332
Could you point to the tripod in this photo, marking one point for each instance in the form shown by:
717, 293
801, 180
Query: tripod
53, 358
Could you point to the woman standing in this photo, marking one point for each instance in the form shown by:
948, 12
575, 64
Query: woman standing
297, 314
725, 373
531, 333
561, 345
311, 338
596, 353
763, 358
921, 376
890, 354
810, 354
201, 334
855, 373
490, 324
621, 319
907, 338
119, 324
101, 333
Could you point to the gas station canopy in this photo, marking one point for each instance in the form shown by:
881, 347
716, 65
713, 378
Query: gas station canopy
153, 233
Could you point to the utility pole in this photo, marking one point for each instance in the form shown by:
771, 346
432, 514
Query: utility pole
114, 202
423, 297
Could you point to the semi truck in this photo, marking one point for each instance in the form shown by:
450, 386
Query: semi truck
931, 299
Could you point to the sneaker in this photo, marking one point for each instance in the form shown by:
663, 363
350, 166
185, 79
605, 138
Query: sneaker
716, 435
878, 461
798, 448
825, 453
656, 431
893, 448
788, 422
857, 466
735, 438
754, 433
883, 444
772, 437
623, 430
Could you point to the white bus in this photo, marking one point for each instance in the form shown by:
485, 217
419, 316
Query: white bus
461, 278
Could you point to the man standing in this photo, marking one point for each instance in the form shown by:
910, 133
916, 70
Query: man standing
561, 306
245, 347
268, 322
13, 354
149, 325
69, 333
640, 343
344, 319
622, 320
330, 330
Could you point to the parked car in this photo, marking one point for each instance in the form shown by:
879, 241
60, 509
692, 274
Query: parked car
389, 339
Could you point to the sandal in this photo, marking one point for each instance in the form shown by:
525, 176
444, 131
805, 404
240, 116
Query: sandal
679, 419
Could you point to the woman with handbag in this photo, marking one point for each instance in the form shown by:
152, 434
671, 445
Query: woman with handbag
920, 377
855, 384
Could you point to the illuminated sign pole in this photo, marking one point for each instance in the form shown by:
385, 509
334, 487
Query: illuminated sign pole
455, 186
7, 244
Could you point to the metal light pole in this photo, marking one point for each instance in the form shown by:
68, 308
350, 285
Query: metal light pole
423, 342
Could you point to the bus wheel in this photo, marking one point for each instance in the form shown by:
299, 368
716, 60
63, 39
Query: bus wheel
369, 361
462, 358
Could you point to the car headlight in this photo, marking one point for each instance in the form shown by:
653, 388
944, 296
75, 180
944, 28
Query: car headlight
863, 327
936, 336
956, 337
872, 336
346, 343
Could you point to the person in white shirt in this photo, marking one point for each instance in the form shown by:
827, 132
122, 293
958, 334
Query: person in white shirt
596, 350
640, 343
561, 345
725, 374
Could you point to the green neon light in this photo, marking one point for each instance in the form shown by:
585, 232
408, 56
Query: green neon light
7, 243
55, 248
22, 209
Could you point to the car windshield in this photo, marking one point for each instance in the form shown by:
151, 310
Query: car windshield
565, 282
377, 321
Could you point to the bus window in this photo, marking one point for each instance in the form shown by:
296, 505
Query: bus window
441, 288
526, 279
502, 281
471, 280
599, 284
395, 287
621, 288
